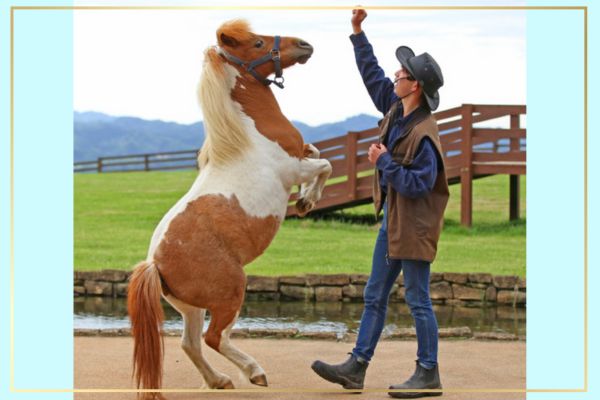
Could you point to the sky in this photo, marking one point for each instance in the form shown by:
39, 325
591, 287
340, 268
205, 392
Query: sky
148, 63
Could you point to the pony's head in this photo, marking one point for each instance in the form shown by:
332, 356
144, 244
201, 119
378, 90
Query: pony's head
258, 53
241, 56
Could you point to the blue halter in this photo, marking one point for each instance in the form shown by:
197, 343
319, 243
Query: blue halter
272, 55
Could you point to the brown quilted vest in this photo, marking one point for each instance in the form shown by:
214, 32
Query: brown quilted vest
414, 225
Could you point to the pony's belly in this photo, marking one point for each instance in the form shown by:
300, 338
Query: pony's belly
209, 237
255, 195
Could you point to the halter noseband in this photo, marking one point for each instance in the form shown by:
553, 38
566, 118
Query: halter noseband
272, 55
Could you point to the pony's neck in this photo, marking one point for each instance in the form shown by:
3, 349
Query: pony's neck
259, 103
226, 137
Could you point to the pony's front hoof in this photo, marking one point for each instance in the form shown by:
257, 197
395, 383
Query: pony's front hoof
303, 206
259, 380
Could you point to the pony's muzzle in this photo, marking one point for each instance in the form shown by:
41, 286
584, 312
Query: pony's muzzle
304, 45
305, 52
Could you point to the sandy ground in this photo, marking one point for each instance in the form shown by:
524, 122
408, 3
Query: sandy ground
469, 369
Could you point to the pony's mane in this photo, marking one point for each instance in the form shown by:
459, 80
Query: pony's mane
225, 137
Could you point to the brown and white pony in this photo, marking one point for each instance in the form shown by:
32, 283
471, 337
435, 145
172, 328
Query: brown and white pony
250, 160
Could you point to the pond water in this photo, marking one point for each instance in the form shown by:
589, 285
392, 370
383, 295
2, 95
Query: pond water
339, 317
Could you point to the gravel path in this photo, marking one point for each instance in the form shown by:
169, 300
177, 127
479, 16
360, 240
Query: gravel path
467, 367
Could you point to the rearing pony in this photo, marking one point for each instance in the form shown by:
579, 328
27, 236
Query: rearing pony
251, 158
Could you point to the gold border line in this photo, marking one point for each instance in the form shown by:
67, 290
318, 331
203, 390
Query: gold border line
585, 198
12, 204
297, 390
290, 8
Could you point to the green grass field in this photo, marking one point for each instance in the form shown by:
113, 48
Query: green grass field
115, 215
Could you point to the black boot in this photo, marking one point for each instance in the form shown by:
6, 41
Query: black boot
421, 379
350, 374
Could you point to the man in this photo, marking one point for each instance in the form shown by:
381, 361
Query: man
411, 187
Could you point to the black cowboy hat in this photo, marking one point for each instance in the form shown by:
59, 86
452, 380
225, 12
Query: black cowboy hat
425, 70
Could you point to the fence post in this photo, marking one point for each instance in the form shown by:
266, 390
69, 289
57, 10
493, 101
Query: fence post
146, 166
515, 183
99, 164
351, 149
466, 171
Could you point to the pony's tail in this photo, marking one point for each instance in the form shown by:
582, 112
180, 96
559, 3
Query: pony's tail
146, 315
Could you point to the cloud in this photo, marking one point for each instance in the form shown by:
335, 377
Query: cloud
147, 63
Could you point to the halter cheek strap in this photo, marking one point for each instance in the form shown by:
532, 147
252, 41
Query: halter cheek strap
272, 55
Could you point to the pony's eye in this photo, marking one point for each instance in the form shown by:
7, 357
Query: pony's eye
258, 44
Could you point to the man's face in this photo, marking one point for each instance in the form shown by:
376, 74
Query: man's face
402, 85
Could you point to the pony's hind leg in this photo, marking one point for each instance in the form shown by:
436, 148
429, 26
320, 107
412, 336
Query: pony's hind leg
217, 337
191, 341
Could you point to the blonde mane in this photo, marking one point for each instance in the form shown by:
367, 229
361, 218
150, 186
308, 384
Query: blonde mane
225, 137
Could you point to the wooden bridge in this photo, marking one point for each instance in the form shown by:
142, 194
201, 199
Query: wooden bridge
477, 140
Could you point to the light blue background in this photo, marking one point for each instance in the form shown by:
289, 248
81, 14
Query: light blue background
43, 193
43, 235
43, 150
555, 192
555, 201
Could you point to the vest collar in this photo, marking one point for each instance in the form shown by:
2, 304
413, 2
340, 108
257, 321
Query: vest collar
416, 117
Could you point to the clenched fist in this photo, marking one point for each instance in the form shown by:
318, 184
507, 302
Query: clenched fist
358, 16
375, 151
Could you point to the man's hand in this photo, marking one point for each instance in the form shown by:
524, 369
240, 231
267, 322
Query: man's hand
358, 16
375, 151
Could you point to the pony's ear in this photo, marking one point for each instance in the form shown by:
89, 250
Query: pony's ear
227, 40
233, 33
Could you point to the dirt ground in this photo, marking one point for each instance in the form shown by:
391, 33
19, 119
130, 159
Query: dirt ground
469, 369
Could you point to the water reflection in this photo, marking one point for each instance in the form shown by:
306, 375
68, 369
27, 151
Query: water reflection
339, 317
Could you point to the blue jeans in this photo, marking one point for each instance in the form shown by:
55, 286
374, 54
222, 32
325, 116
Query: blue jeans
416, 282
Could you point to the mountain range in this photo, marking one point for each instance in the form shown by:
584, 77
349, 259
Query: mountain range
100, 135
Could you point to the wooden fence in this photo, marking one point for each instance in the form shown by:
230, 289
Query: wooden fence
477, 140
185, 159
474, 142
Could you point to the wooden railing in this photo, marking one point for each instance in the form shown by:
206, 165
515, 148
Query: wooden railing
475, 144
477, 141
185, 159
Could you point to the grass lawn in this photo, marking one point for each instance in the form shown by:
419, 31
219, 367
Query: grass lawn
115, 215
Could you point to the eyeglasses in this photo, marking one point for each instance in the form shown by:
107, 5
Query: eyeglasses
410, 78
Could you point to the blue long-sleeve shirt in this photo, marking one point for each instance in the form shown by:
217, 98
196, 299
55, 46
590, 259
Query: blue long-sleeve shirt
418, 179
